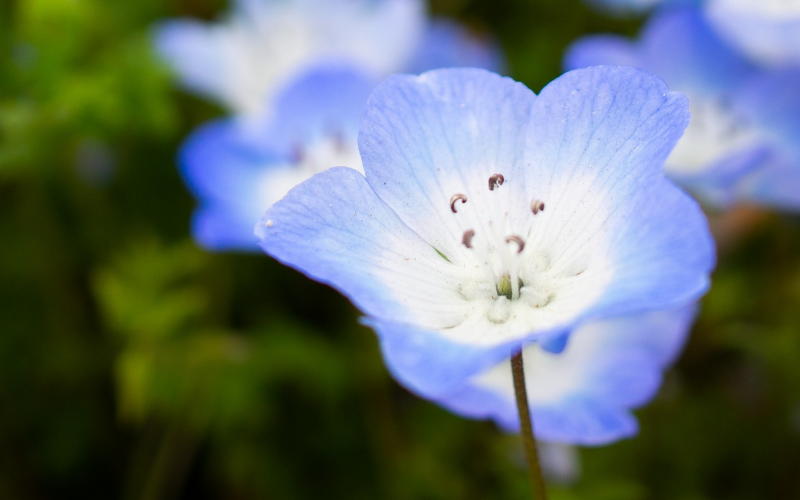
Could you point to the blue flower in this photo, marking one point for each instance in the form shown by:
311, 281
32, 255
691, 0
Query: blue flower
585, 394
767, 30
263, 46
244, 60
730, 138
490, 218
237, 168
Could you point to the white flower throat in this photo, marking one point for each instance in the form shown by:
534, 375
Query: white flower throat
331, 150
507, 264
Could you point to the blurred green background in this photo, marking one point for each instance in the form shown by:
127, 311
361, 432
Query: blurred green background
133, 365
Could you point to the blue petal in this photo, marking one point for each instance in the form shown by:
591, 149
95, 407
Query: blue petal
556, 344
449, 44
619, 364
222, 228
226, 163
772, 100
677, 45
334, 228
592, 144
777, 184
719, 185
430, 364
598, 50
599, 137
190, 49
624, 7
222, 159
322, 101
422, 138
223, 163
770, 39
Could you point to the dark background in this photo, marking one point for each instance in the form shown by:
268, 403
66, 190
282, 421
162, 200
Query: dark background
134, 365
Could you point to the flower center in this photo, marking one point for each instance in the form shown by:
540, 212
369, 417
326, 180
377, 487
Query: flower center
500, 254
331, 150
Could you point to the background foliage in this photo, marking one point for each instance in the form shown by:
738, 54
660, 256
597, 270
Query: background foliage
135, 366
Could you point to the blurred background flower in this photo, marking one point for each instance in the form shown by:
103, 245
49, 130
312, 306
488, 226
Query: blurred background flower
135, 365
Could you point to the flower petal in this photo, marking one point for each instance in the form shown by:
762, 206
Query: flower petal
585, 394
598, 140
199, 54
322, 101
598, 50
334, 228
450, 44
676, 44
424, 139
768, 32
237, 168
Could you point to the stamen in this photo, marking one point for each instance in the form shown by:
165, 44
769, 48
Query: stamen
496, 180
467, 238
516, 239
537, 206
456, 197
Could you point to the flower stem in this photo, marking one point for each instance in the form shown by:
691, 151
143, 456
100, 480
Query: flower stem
526, 424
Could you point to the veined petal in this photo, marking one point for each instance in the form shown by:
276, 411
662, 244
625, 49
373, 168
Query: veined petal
458, 266
585, 394
723, 142
334, 228
597, 143
424, 139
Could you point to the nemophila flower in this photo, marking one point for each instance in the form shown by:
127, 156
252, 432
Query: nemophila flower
237, 168
264, 45
490, 218
730, 138
767, 30
244, 60
585, 394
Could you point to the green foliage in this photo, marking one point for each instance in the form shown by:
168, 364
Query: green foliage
134, 365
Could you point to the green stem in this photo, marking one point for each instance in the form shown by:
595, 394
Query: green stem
526, 424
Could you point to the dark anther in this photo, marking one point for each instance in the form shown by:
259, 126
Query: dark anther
516, 239
456, 197
496, 180
467, 238
537, 206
